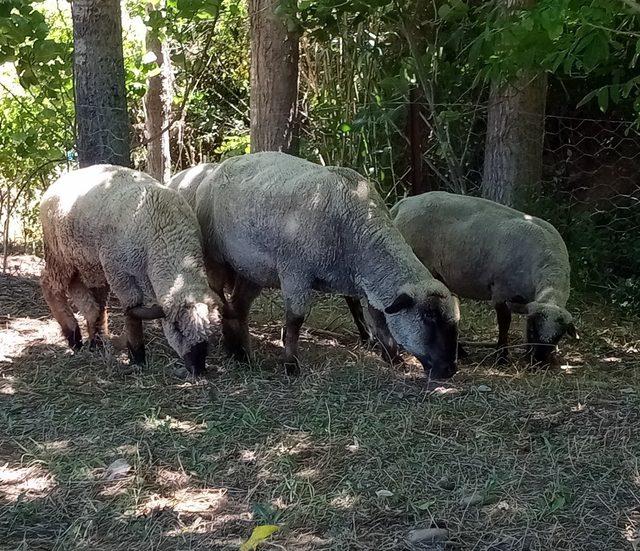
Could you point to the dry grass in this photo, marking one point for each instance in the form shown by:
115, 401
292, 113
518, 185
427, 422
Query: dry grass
504, 458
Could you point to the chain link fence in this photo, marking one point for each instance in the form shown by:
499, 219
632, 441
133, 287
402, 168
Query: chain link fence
589, 189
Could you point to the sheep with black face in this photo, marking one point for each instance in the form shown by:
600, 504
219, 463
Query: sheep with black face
109, 227
487, 251
274, 220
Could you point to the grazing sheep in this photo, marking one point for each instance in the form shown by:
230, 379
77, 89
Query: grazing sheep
112, 227
273, 220
186, 181
486, 251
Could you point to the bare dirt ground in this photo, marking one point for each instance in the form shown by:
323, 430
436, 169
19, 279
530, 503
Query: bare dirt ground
353, 454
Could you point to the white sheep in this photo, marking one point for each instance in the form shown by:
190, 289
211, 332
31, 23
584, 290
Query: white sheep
112, 227
186, 181
486, 251
274, 220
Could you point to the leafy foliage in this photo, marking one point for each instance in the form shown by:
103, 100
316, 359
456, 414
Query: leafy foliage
362, 64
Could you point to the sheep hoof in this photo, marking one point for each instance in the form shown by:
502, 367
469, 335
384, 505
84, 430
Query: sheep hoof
292, 368
237, 352
389, 354
183, 374
119, 342
74, 338
137, 355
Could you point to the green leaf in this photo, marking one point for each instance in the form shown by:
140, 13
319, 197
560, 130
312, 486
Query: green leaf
558, 502
555, 31
614, 92
603, 98
444, 10
596, 52
587, 98
344, 127
259, 534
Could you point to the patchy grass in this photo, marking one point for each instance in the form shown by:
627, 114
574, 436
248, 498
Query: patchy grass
353, 454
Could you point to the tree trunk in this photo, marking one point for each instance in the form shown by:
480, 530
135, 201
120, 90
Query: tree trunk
157, 107
101, 105
416, 132
515, 133
274, 80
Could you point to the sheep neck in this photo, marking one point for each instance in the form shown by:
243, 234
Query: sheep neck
388, 263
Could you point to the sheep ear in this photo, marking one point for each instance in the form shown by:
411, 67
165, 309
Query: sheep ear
402, 302
147, 312
571, 331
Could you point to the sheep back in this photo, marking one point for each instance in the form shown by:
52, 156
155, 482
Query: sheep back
484, 250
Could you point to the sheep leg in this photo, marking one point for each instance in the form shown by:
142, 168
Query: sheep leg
504, 322
217, 278
297, 300
130, 295
100, 330
358, 317
235, 318
291, 334
91, 302
384, 340
56, 297
135, 339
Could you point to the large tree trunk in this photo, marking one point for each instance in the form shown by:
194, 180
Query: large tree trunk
274, 80
515, 133
101, 105
157, 107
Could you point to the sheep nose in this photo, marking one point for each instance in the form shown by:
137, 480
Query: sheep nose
439, 370
195, 359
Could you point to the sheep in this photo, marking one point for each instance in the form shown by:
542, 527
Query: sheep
186, 181
112, 228
487, 251
273, 220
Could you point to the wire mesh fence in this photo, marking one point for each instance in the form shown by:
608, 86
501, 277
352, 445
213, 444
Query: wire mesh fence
589, 186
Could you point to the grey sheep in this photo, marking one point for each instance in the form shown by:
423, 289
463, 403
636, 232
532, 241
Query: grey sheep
486, 251
274, 220
108, 227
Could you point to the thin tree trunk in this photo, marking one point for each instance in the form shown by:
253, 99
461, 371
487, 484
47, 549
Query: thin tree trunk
5, 237
274, 80
515, 133
416, 132
157, 106
101, 105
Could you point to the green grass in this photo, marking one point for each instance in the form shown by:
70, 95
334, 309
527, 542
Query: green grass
504, 458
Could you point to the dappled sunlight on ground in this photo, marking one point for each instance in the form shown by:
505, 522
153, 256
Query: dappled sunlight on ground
24, 483
353, 454
188, 500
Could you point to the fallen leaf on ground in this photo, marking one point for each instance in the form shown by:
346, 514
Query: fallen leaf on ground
427, 534
259, 534
118, 469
